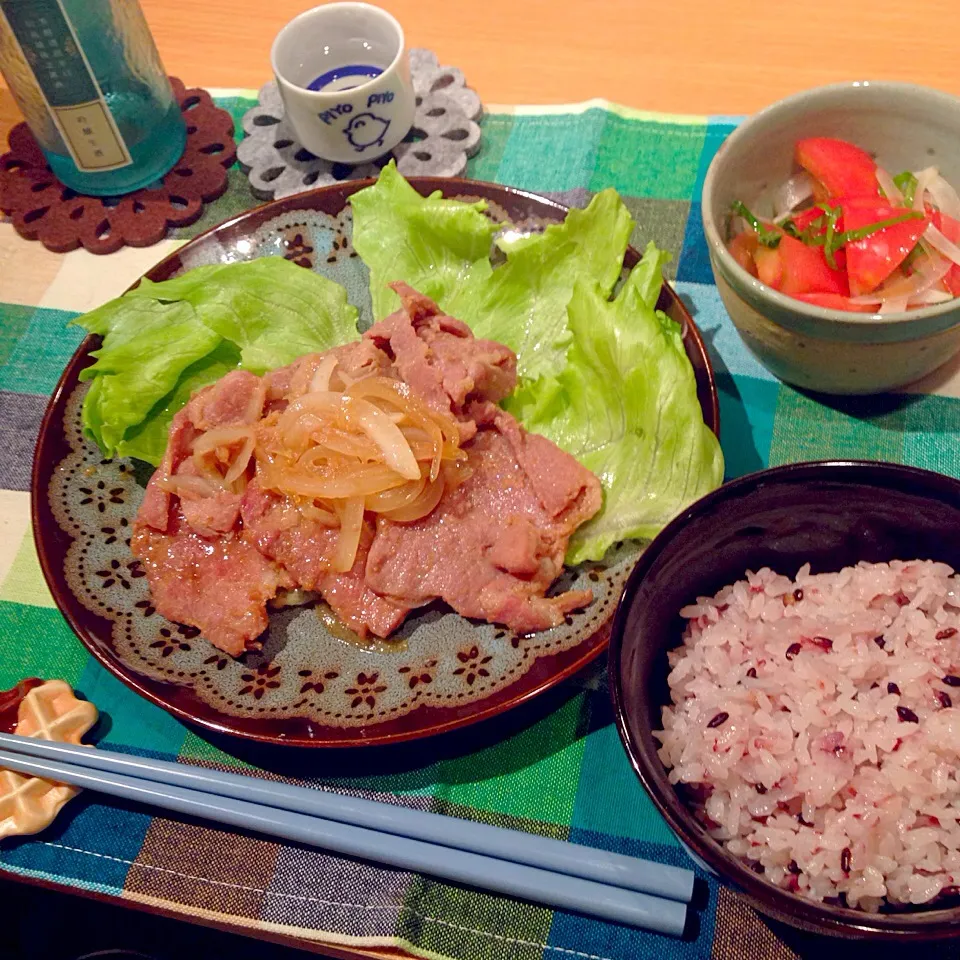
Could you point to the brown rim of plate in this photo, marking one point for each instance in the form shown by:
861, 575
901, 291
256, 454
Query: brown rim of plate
94, 632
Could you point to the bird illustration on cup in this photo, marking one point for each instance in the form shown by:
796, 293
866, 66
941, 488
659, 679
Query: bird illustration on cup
366, 129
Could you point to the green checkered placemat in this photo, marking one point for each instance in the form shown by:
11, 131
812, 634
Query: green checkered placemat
554, 767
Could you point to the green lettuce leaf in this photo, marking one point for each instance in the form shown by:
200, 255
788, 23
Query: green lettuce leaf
437, 246
626, 407
91, 416
273, 310
163, 341
523, 303
147, 345
148, 439
442, 248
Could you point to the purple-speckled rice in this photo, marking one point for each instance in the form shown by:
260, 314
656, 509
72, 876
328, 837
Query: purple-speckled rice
813, 722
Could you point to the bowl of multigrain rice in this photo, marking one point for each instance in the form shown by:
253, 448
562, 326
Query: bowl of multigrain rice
785, 669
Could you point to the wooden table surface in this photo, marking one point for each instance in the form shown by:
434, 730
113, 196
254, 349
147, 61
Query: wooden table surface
680, 56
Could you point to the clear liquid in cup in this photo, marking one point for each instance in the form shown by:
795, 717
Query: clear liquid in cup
342, 60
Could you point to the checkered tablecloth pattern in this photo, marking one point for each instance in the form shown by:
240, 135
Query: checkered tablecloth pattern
554, 768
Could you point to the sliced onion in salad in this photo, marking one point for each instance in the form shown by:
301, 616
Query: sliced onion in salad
941, 244
931, 297
890, 190
791, 194
894, 305
945, 197
924, 179
917, 259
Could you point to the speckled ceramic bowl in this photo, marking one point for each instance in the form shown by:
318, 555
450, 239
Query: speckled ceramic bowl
906, 127
830, 515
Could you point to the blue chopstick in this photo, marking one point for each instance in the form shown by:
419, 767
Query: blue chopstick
577, 860
488, 873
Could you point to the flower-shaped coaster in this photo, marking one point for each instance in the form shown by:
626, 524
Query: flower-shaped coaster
445, 133
43, 209
47, 711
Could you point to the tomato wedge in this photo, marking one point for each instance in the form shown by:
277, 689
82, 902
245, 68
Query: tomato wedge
803, 219
743, 247
806, 271
769, 266
950, 228
952, 281
841, 168
871, 260
833, 301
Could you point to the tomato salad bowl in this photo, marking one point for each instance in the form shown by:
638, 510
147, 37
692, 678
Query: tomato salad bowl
832, 228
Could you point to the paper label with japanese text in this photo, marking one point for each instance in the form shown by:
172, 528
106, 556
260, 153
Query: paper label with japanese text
51, 48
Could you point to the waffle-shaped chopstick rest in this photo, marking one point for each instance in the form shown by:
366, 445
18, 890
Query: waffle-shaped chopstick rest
49, 712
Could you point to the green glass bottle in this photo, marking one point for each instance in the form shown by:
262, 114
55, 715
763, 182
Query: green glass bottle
87, 76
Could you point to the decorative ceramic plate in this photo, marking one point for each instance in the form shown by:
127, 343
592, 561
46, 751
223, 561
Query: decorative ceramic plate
307, 686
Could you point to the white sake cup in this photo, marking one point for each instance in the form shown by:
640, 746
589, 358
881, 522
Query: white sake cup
353, 117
